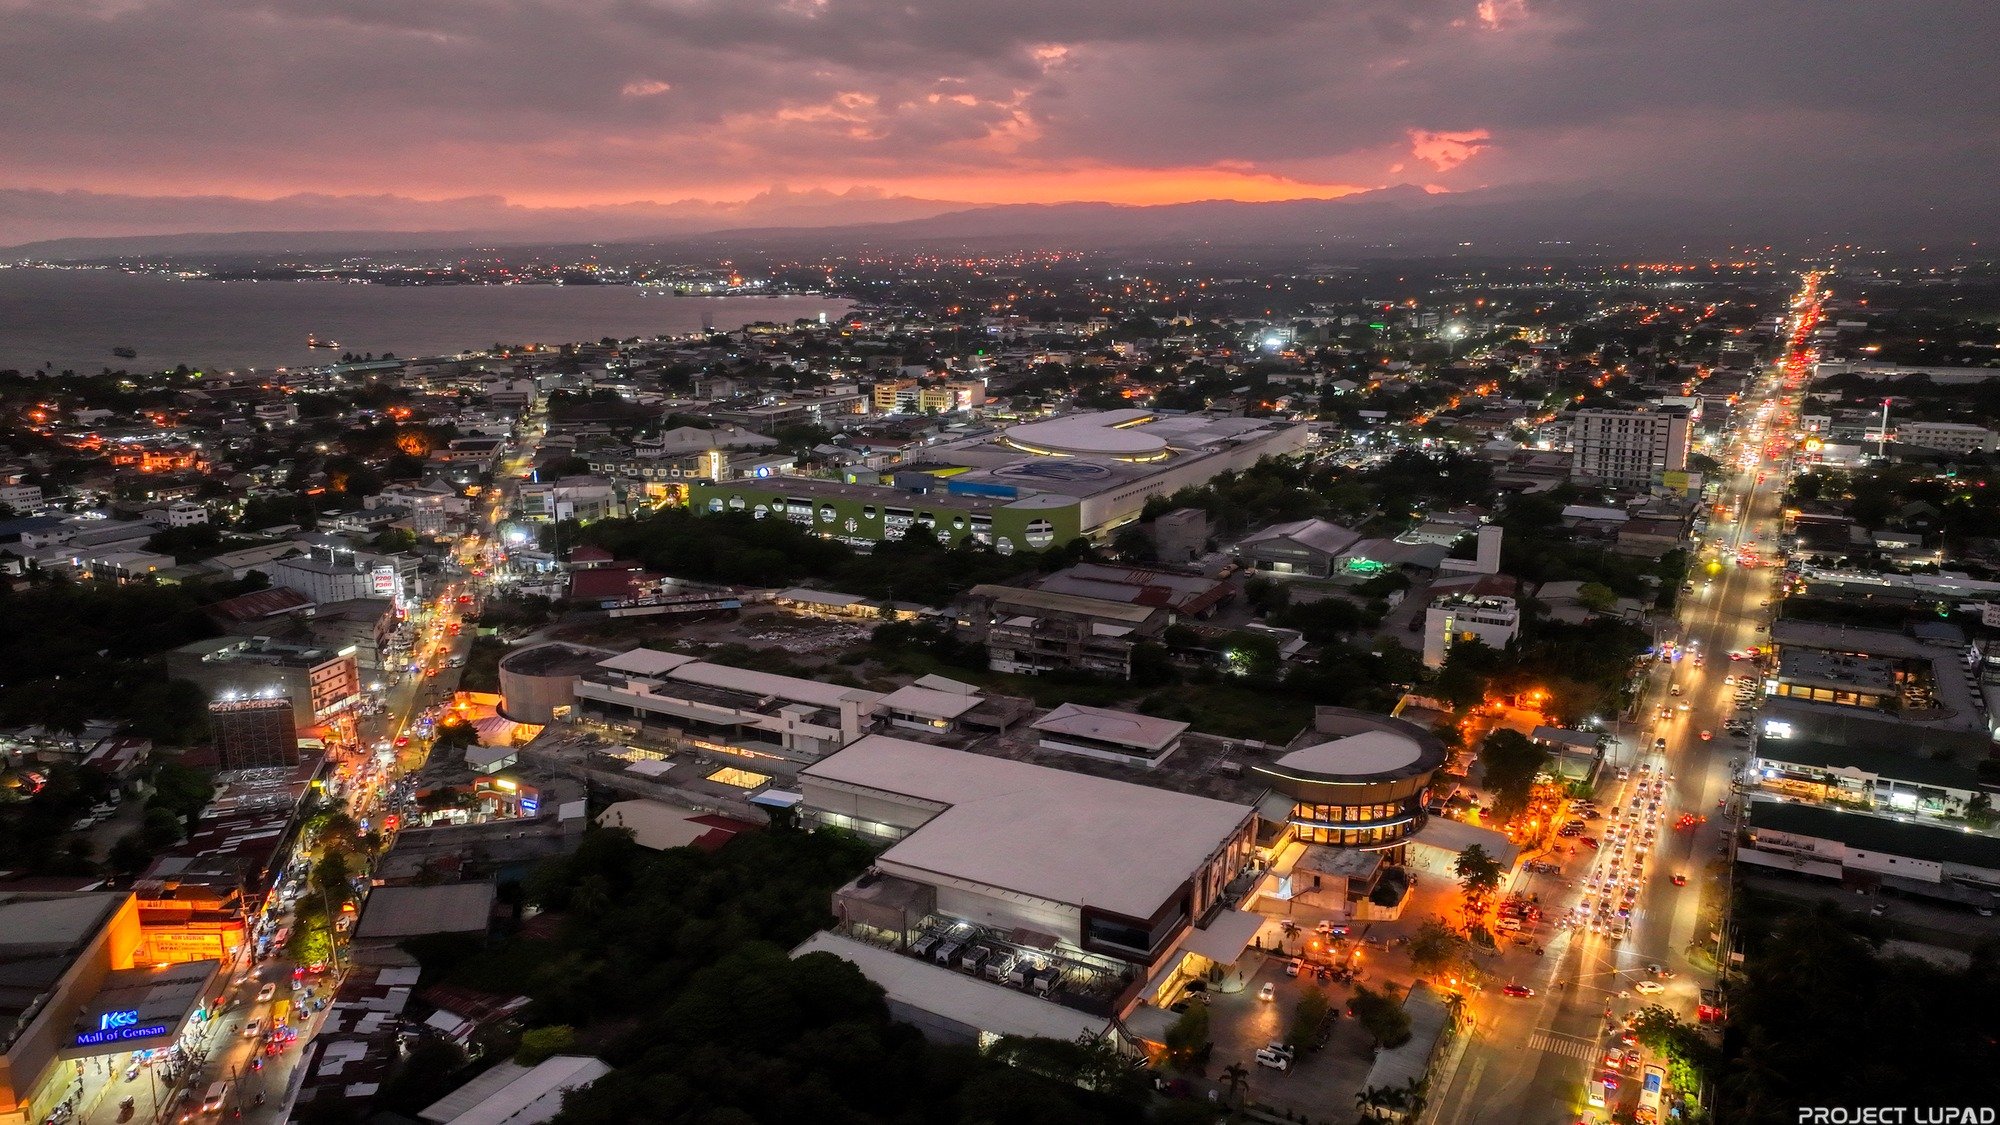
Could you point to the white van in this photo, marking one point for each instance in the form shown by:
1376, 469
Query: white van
218, 1092
1277, 1056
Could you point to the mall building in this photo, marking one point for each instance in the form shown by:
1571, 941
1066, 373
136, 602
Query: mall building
1018, 899
76, 1001
1024, 487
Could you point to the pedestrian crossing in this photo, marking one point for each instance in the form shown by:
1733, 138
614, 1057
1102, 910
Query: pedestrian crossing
1563, 1045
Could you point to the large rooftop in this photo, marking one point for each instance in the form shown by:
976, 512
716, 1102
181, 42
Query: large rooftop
1061, 836
1918, 769
1106, 433
665, 668
1880, 834
1350, 746
41, 936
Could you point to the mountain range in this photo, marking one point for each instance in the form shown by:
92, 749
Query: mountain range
1394, 220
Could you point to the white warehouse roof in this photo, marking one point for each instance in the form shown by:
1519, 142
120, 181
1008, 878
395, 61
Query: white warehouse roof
1064, 837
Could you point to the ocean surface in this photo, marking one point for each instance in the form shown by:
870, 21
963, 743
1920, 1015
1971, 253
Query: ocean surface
71, 319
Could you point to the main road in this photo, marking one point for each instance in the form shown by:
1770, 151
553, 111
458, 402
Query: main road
1531, 1059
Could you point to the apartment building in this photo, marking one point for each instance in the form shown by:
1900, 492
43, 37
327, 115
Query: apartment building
1629, 448
1950, 437
1036, 631
1455, 618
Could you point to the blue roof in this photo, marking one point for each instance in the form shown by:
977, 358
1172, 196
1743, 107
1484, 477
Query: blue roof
15, 528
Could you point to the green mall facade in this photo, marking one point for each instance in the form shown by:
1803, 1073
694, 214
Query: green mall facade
863, 515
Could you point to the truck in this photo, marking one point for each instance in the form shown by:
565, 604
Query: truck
1651, 1087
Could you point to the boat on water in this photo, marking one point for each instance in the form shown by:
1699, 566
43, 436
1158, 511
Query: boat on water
123, 352
313, 341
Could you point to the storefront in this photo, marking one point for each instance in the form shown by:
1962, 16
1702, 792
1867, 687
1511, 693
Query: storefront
140, 1023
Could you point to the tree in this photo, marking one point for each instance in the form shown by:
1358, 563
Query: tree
1188, 1035
1596, 596
1437, 949
332, 878
538, 1044
1478, 877
1309, 1013
1381, 1015
1236, 1079
1509, 762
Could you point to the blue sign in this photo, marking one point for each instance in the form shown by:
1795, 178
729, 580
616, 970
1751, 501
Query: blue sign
121, 1027
530, 805
110, 1020
1652, 1081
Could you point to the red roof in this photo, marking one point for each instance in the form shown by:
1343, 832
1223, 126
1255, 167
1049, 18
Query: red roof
721, 830
259, 604
605, 584
590, 555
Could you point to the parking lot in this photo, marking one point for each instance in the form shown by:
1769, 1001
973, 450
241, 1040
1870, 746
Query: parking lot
1320, 1084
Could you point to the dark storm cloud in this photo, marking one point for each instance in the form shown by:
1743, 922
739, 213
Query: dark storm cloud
582, 101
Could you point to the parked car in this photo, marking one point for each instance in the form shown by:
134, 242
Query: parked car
1293, 966
1277, 1056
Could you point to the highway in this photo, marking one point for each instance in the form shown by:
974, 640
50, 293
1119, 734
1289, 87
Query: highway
1531, 1059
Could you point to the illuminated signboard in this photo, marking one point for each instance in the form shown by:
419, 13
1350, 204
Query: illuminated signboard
530, 806
121, 1027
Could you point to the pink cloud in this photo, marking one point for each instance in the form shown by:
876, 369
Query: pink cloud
1445, 151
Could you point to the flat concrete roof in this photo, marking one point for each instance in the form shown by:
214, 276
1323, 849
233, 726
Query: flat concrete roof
398, 912
930, 703
1141, 732
768, 683
512, 1094
1911, 769
1050, 602
1105, 433
646, 662
673, 667
1881, 834
1066, 837
968, 1000
1371, 752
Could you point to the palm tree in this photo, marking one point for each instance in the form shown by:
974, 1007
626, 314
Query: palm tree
1236, 1077
1412, 1095
1369, 1102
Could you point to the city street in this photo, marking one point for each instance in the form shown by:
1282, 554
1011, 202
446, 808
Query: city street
443, 627
1532, 1058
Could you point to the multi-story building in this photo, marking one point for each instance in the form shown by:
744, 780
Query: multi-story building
79, 998
912, 396
1630, 448
1357, 781
191, 916
1951, 437
1492, 620
572, 498
255, 733
868, 514
668, 697
321, 682
1036, 631
330, 575
1017, 899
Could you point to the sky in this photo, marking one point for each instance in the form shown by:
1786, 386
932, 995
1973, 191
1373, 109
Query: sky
143, 116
